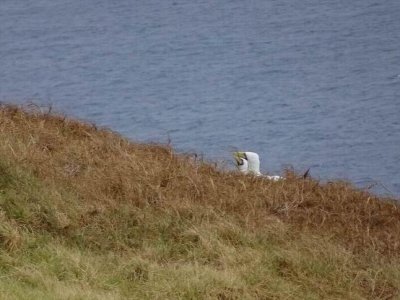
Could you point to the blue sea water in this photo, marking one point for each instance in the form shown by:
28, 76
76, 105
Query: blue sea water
304, 83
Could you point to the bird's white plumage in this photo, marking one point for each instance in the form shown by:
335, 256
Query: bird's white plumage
249, 163
253, 163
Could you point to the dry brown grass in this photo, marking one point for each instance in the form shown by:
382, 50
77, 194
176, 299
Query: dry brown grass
117, 181
108, 171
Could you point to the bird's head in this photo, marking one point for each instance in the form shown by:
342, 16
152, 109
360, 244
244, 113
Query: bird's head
241, 161
239, 157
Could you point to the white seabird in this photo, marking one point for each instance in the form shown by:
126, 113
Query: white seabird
249, 163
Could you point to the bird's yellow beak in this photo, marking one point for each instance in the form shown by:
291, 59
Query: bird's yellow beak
239, 156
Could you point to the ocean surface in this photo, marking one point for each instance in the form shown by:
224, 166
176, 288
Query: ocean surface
310, 83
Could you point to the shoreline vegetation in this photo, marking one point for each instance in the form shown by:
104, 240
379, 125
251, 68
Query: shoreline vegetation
88, 214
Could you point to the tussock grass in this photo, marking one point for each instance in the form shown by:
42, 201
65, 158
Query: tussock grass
88, 214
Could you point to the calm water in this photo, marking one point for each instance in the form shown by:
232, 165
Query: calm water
308, 83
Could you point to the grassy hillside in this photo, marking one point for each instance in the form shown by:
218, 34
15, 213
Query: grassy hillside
87, 214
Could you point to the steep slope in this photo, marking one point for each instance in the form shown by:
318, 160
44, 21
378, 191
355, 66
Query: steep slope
88, 214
